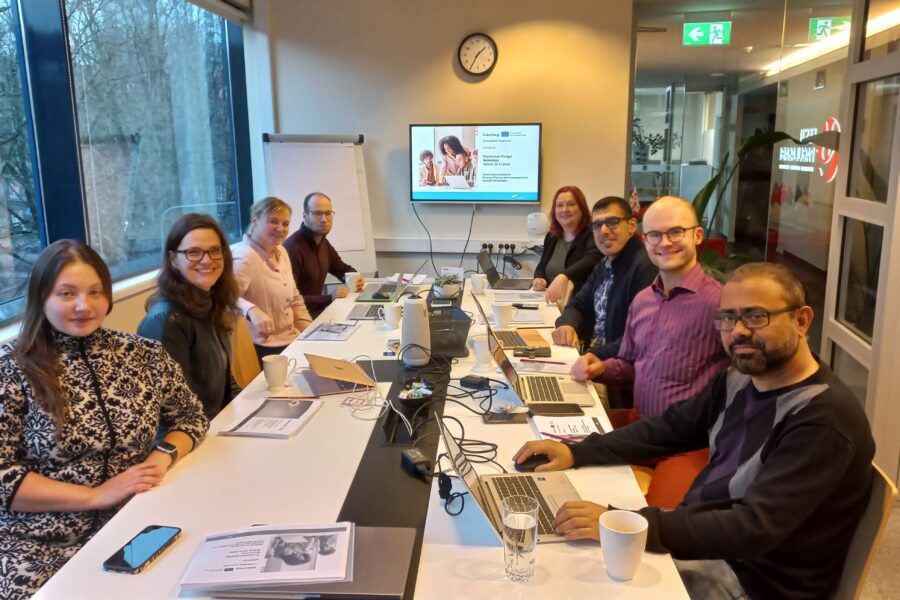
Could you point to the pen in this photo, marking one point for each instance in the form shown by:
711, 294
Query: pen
543, 362
561, 438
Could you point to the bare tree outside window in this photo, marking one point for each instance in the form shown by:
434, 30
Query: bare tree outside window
151, 87
19, 233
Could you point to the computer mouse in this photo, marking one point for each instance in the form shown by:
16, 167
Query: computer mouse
380, 296
532, 462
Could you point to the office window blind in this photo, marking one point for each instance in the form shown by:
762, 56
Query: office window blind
238, 11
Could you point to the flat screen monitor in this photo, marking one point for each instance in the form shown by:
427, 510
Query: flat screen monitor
498, 163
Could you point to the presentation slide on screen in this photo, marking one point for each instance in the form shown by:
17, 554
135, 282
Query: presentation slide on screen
468, 163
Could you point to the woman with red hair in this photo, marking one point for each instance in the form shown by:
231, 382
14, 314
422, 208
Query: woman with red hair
570, 253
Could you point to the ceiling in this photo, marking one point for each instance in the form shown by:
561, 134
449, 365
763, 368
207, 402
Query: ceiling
756, 38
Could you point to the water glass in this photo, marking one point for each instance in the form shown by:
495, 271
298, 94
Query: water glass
520, 530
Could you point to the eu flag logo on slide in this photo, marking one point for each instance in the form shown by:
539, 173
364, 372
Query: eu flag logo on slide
504, 134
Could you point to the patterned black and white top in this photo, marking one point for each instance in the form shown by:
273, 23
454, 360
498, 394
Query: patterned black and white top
123, 390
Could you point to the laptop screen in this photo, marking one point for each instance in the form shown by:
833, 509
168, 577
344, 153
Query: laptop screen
487, 265
462, 465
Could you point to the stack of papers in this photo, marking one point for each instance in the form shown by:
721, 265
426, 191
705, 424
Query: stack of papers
272, 554
329, 332
275, 418
566, 429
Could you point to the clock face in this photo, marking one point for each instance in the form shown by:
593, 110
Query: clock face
477, 54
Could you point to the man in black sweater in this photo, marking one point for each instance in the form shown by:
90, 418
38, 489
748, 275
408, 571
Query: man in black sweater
789, 474
598, 312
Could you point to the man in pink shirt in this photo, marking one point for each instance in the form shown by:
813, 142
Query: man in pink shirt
670, 350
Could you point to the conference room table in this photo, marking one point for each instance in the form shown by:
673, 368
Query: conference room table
339, 466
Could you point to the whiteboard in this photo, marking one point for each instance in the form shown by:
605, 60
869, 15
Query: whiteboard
295, 167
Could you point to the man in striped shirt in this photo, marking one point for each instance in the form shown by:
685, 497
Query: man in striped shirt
670, 350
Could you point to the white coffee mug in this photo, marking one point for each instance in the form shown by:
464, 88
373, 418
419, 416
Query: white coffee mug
478, 281
502, 315
623, 537
481, 350
391, 315
276, 368
352, 280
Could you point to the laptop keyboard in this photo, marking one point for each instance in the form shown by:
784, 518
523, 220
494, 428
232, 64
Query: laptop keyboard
544, 389
524, 485
510, 339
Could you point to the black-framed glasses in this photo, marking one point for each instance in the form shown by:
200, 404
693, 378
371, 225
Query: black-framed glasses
196, 254
611, 223
751, 320
675, 235
328, 214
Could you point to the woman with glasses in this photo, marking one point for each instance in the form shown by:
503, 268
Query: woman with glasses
81, 408
570, 253
269, 297
192, 312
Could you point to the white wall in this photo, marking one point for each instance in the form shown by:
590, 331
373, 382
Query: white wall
374, 66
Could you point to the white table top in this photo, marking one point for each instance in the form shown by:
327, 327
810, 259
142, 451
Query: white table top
230, 482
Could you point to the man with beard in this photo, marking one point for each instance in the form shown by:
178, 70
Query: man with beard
313, 257
597, 313
772, 514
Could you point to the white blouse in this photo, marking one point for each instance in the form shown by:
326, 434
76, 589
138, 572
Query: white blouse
268, 284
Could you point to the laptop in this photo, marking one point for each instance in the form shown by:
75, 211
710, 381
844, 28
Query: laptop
457, 182
341, 370
381, 559
498, 283
551, 489
365, 312
510, 339
388, 291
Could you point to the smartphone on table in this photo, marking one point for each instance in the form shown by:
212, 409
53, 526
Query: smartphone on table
142, 549
504, 417
563, 409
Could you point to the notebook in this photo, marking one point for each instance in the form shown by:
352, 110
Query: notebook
381, 559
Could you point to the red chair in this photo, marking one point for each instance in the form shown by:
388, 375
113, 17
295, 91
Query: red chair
716, 245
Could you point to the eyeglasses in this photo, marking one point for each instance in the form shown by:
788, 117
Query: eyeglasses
611, 223
754, 320
196, 254
328, 214
675, 235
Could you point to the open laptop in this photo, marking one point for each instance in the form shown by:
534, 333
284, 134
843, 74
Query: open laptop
551, 489
498, 283
510, 339
540, 389
381, 559
341, 370
388, 291
457, 182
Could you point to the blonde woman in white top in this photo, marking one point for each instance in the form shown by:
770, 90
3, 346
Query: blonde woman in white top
269, 298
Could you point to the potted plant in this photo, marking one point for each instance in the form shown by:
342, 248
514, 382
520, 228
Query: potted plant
446, 286
644, 145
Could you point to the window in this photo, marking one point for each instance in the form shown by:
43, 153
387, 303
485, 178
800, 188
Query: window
151, 87
159, 129
19, 233
858, 279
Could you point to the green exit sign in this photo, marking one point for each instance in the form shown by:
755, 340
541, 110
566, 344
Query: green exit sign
706, 34
825, 27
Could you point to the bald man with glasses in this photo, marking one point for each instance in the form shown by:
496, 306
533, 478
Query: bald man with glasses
669, 350
789, 475
313, 257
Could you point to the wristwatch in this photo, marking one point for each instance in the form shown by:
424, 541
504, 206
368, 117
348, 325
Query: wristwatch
170, 449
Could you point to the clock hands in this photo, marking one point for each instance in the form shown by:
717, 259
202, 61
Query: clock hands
474, 58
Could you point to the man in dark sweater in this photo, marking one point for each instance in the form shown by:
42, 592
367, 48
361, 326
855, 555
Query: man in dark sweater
790, 471
597, 313
313, 257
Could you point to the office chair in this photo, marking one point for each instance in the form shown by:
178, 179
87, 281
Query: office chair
868, 533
